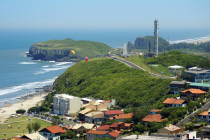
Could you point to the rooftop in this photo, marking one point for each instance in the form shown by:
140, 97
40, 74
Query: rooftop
172, 128
65, 96
106, 101
173, 101
178, 82
86, 110
113, 134
141, 137
91, 114
85, 125
55, 129
156, 110
97, 132
103, 127
114, 112
122, 116
35, 136
204, 113
194, 91
197, 71
200, 85
115, 124
151, 118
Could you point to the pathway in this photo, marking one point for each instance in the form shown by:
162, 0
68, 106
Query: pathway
132, 65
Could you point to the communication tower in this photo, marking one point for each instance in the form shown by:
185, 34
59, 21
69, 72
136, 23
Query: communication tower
124, 49
156, 36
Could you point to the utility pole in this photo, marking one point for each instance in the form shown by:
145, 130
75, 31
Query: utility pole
164, 48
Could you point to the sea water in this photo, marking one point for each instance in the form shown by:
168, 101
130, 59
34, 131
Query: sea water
19, 75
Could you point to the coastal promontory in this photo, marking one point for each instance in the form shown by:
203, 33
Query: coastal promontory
59, 50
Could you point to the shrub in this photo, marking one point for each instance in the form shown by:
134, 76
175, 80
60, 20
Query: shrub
20, 111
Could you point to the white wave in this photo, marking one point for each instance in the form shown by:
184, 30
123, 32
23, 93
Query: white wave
45, 66
38, 60
26, 63
62, 63
49, 70
51, 61
190, 40
26, 86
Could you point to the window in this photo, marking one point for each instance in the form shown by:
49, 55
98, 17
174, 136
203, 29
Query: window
51, 139
45, 134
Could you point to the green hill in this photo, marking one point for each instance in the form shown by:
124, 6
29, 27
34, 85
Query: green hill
106, 79
59, 50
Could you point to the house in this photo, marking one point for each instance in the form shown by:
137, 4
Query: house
83, 112
198, 75
121, 117
198, 126
103, 128
52, 132
33, 136
85, 100
95, 134
143, 137
94, 117
118, 126
109, 103
205, 133
201, 86
173, 102
204, 116
151, 118
112, 113
194, 94
66, 104
176, 86
186, 135
67, 127
84, 127
169, 129
154, 111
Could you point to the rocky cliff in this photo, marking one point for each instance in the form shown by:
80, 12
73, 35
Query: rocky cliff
141, 42
130, 45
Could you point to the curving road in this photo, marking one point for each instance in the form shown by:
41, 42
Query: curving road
132, 65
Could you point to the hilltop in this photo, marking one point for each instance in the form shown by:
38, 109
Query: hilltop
59, 50
106, 78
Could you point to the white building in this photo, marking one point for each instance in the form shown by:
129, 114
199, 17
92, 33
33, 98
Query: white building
65, 104
124, 49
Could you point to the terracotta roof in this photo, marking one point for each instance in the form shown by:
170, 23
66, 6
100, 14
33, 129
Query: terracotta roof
169, 101
114, 112
179, 102
204, 113
194, 91
173, 101
106, 101
99, 116
127, 124
113, 134
115, 124
151, 118
56, 129
103, 127
97, 132
67, 127
122, 116
156, 110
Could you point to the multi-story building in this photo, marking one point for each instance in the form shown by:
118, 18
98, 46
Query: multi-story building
201, 86
65, 104
176, 86
198, 75
194, 94
205, 133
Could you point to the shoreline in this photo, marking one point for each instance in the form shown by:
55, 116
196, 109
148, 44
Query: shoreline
5, 112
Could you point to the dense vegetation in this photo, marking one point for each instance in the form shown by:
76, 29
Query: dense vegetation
178, 58
106, 79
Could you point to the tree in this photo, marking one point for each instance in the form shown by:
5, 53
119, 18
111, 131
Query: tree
70, 134
29, 128
139, 127
36, 126
190, 126
56, 121
20, 111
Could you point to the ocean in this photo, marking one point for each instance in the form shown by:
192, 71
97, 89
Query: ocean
19, 75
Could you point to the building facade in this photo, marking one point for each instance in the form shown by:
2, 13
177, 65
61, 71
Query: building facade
198, 75
65, 104
176, 86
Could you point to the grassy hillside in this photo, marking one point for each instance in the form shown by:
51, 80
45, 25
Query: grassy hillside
81, 47
106, 79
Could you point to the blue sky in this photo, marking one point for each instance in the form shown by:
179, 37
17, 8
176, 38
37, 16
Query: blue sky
103, 14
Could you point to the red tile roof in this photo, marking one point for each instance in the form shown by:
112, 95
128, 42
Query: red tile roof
103, 127
113, 134
127, 124
67, 127
97, 132
122, 116
151, 118
156, 110
106, 101
194, 91
56, 129
204, 113
113, 112
115, 124
173, 101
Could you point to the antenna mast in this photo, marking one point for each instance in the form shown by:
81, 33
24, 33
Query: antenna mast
156, 36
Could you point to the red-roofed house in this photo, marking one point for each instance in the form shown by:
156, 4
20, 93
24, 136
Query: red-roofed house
109, 102
52, 132
154, 111
121, 126
204, 116
121, 117
96, 134
151, 118
173, 102
112, 113
103, 128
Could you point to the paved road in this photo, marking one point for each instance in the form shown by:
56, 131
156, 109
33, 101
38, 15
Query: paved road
187, 119
132, 65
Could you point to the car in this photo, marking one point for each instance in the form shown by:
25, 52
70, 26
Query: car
77, 121
83, 121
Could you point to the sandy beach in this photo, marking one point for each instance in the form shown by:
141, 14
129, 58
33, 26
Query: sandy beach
26, 104
200, 41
